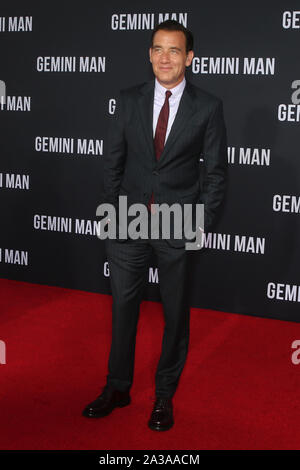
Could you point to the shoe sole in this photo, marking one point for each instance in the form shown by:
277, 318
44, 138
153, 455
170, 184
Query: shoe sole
160, 428
120, 404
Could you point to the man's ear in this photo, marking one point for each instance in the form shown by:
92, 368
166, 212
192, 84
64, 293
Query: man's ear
189, 58
150, 53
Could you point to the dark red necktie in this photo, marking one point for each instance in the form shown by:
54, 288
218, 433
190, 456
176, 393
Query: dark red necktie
160, 135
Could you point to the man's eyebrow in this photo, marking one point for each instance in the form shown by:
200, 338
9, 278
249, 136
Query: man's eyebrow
172, 47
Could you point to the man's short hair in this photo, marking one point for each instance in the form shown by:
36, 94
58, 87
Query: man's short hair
172, 25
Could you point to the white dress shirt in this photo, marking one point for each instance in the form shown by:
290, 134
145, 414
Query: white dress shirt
174, 100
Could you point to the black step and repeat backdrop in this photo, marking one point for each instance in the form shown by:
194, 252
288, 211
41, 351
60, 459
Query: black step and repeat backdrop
61, 67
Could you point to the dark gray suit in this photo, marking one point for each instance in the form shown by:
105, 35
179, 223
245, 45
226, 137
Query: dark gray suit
131, 169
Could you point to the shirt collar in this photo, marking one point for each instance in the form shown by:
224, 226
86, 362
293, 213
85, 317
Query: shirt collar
176, 91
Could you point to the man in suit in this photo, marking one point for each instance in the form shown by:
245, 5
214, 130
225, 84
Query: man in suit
161, 132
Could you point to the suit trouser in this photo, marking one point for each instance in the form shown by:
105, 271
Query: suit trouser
128, 265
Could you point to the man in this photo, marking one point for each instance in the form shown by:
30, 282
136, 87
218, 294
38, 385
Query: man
162, 130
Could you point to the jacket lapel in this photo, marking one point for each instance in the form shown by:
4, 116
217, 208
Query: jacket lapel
184, 113
145, 103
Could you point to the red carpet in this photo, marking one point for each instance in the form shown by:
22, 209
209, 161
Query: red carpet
239, 388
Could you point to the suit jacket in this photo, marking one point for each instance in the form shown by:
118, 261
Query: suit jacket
198, 132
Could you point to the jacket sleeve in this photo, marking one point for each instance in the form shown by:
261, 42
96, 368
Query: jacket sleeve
215, 166
115, 157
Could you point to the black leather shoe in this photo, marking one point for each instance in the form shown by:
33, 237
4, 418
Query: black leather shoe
162, 415
106, 402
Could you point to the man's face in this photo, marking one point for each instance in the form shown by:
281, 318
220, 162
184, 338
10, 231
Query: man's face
169, 58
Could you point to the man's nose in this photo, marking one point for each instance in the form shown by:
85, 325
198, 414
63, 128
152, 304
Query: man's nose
165, 57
